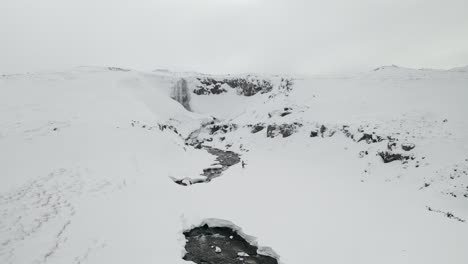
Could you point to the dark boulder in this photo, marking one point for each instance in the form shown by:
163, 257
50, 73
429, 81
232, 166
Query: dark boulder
285, 130
271, 129
221, 128
323, 129
371, 138
408, 146
257, 128
388, 156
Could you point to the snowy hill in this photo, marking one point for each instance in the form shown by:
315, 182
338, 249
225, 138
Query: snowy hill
102, 165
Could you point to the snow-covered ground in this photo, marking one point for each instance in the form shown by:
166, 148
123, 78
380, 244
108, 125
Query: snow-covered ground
87, 158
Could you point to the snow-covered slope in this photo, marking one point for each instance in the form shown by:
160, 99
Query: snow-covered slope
89, 156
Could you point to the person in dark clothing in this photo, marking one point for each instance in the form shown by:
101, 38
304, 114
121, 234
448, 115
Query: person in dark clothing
243, 164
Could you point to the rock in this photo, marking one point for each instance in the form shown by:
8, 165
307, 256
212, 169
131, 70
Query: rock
313, 133
323, 129
363, 153
388, 156
117, 69
212, 172
250, 86
169, 127
245, 86
186, 182
285, 130
257, 128
281, 113
209, 86
346, 132
391, 145
272, 131
221, 128
218, 250
286, 85
370, 138
408, 146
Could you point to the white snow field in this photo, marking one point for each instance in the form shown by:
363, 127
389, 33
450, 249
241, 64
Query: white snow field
88, 157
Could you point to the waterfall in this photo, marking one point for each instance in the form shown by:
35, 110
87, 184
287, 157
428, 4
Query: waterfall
180, 93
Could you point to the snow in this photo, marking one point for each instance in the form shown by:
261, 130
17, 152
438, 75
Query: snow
81, 184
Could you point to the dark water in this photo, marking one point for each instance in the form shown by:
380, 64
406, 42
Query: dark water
221, 245
224, 160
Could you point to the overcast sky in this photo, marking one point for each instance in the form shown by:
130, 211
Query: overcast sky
221, 36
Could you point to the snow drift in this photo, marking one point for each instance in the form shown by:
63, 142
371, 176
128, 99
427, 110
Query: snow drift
87, 156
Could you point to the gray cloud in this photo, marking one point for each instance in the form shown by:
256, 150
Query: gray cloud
294, 36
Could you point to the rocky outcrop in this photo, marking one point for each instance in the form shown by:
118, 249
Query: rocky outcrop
370, 138
363, 134
281, 113
209, 86
388, 156
249, 87
285, 86
285, 130
322, 131
245, 86
221, 128
347, 132
257, 128
391, 145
